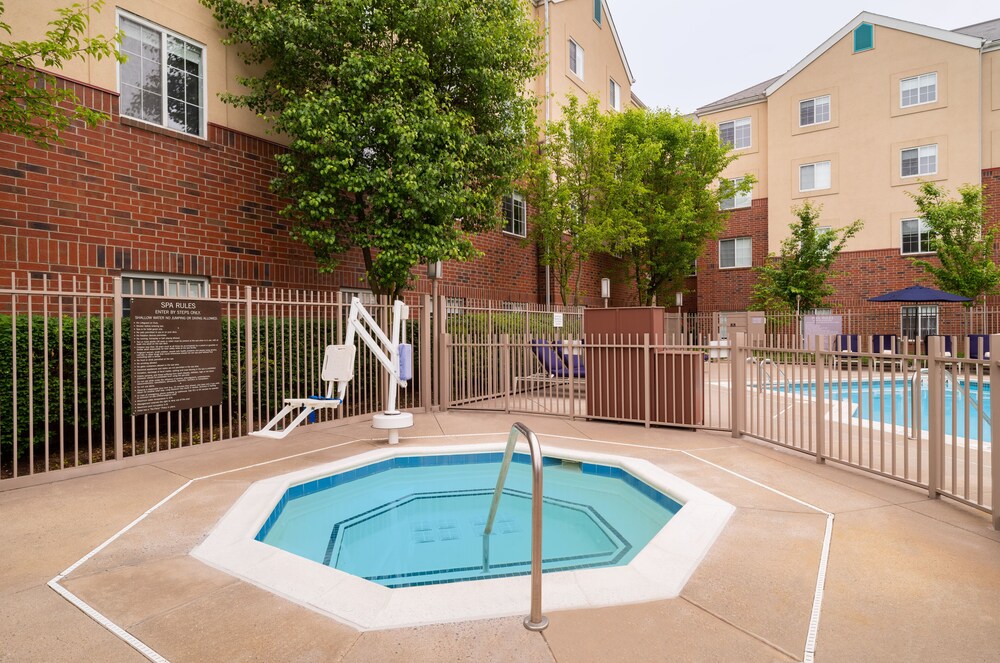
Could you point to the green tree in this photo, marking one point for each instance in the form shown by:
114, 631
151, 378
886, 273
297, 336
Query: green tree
33, 103
568, 185
664, 204
796, 279
407, 120
963, 244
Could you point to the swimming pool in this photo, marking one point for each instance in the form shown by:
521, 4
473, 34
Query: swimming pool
888, 402
419, 520
657, 571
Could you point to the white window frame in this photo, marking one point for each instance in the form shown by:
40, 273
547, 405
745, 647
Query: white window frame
815, 101
165, 285
737, 200
365, 296
920, 155
614, 94
919, 80
510, 227
922, 229
578, 72
922, 313
736, 254
814, 165
737, 123
164, 34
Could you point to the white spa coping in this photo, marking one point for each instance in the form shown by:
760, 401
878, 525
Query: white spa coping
659, 571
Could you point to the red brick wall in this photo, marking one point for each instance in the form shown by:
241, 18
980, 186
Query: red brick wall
127, 197
729, 289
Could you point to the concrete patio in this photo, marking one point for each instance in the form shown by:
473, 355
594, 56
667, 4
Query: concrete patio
908, 578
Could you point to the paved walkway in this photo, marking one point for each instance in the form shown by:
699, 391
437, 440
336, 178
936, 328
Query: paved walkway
908, 578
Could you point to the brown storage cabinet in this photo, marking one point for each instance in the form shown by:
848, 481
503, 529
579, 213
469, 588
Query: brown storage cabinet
616, 376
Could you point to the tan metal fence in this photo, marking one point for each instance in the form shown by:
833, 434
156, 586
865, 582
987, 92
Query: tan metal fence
65, 370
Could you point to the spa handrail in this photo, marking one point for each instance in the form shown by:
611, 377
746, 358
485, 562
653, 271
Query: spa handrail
535, 621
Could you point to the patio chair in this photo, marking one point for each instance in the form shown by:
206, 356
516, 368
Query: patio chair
555, 369
573, 361
886, 344
338, 367
847, 348
979, 346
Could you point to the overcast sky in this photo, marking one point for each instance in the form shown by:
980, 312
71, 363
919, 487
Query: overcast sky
685, 54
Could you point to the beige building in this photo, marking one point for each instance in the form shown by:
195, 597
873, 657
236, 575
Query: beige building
856, 126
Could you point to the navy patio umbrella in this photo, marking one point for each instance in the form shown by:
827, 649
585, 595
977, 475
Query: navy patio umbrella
919, 293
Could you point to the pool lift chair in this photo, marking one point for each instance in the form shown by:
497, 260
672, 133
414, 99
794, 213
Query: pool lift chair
338, 367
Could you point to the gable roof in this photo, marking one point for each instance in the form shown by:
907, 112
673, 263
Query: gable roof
743, 97
614, 34
958, 38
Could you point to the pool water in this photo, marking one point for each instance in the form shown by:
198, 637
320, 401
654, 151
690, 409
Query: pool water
888, 402
419, 520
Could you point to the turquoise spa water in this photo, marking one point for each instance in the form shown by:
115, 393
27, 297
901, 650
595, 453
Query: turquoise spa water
419, 520
887, 401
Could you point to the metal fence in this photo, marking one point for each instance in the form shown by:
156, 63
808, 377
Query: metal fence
65, 370
915, 412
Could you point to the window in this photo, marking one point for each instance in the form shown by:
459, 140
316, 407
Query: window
918, 90
366, 297
735, 252
167, 91
597, 11
814, 111
514, 213
919, 321
137, 283
737, 200
814, 176
864, 37
918, 161
736, 133
454, 305
576, 59
614, 95
916, 236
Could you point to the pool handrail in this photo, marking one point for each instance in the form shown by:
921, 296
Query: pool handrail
535, 621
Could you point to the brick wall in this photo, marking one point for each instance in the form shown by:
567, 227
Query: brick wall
729, 289
124, 196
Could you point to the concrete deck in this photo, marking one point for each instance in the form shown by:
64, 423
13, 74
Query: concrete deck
908, 578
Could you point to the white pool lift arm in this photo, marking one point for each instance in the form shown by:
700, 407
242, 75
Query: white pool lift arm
338, 367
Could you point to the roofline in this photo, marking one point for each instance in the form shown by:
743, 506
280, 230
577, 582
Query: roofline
885, 22
740, 103
618, 43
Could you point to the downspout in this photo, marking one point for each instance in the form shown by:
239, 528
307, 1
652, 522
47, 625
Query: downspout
548, 117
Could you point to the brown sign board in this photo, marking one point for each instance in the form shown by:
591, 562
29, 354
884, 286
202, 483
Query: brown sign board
176, 354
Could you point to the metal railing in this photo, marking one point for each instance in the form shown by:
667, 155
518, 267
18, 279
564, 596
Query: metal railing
535, 621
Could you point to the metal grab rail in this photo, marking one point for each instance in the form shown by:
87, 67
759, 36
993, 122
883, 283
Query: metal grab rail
535, 621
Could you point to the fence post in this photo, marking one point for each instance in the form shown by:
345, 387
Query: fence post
647, 382
445, 366
820, 383
441, 355
425, 352
995, 416
117, 369
935, 414
505, 370
737, 383
248, 342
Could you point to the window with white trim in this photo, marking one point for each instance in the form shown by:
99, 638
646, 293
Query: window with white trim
814, 111
919, 321
918, 90
162, 80
365, 296
140, 283
735, 252
515, 214
614, 95
915, 236
576, 59
735, 134
814, 176
737, 200
915, 161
